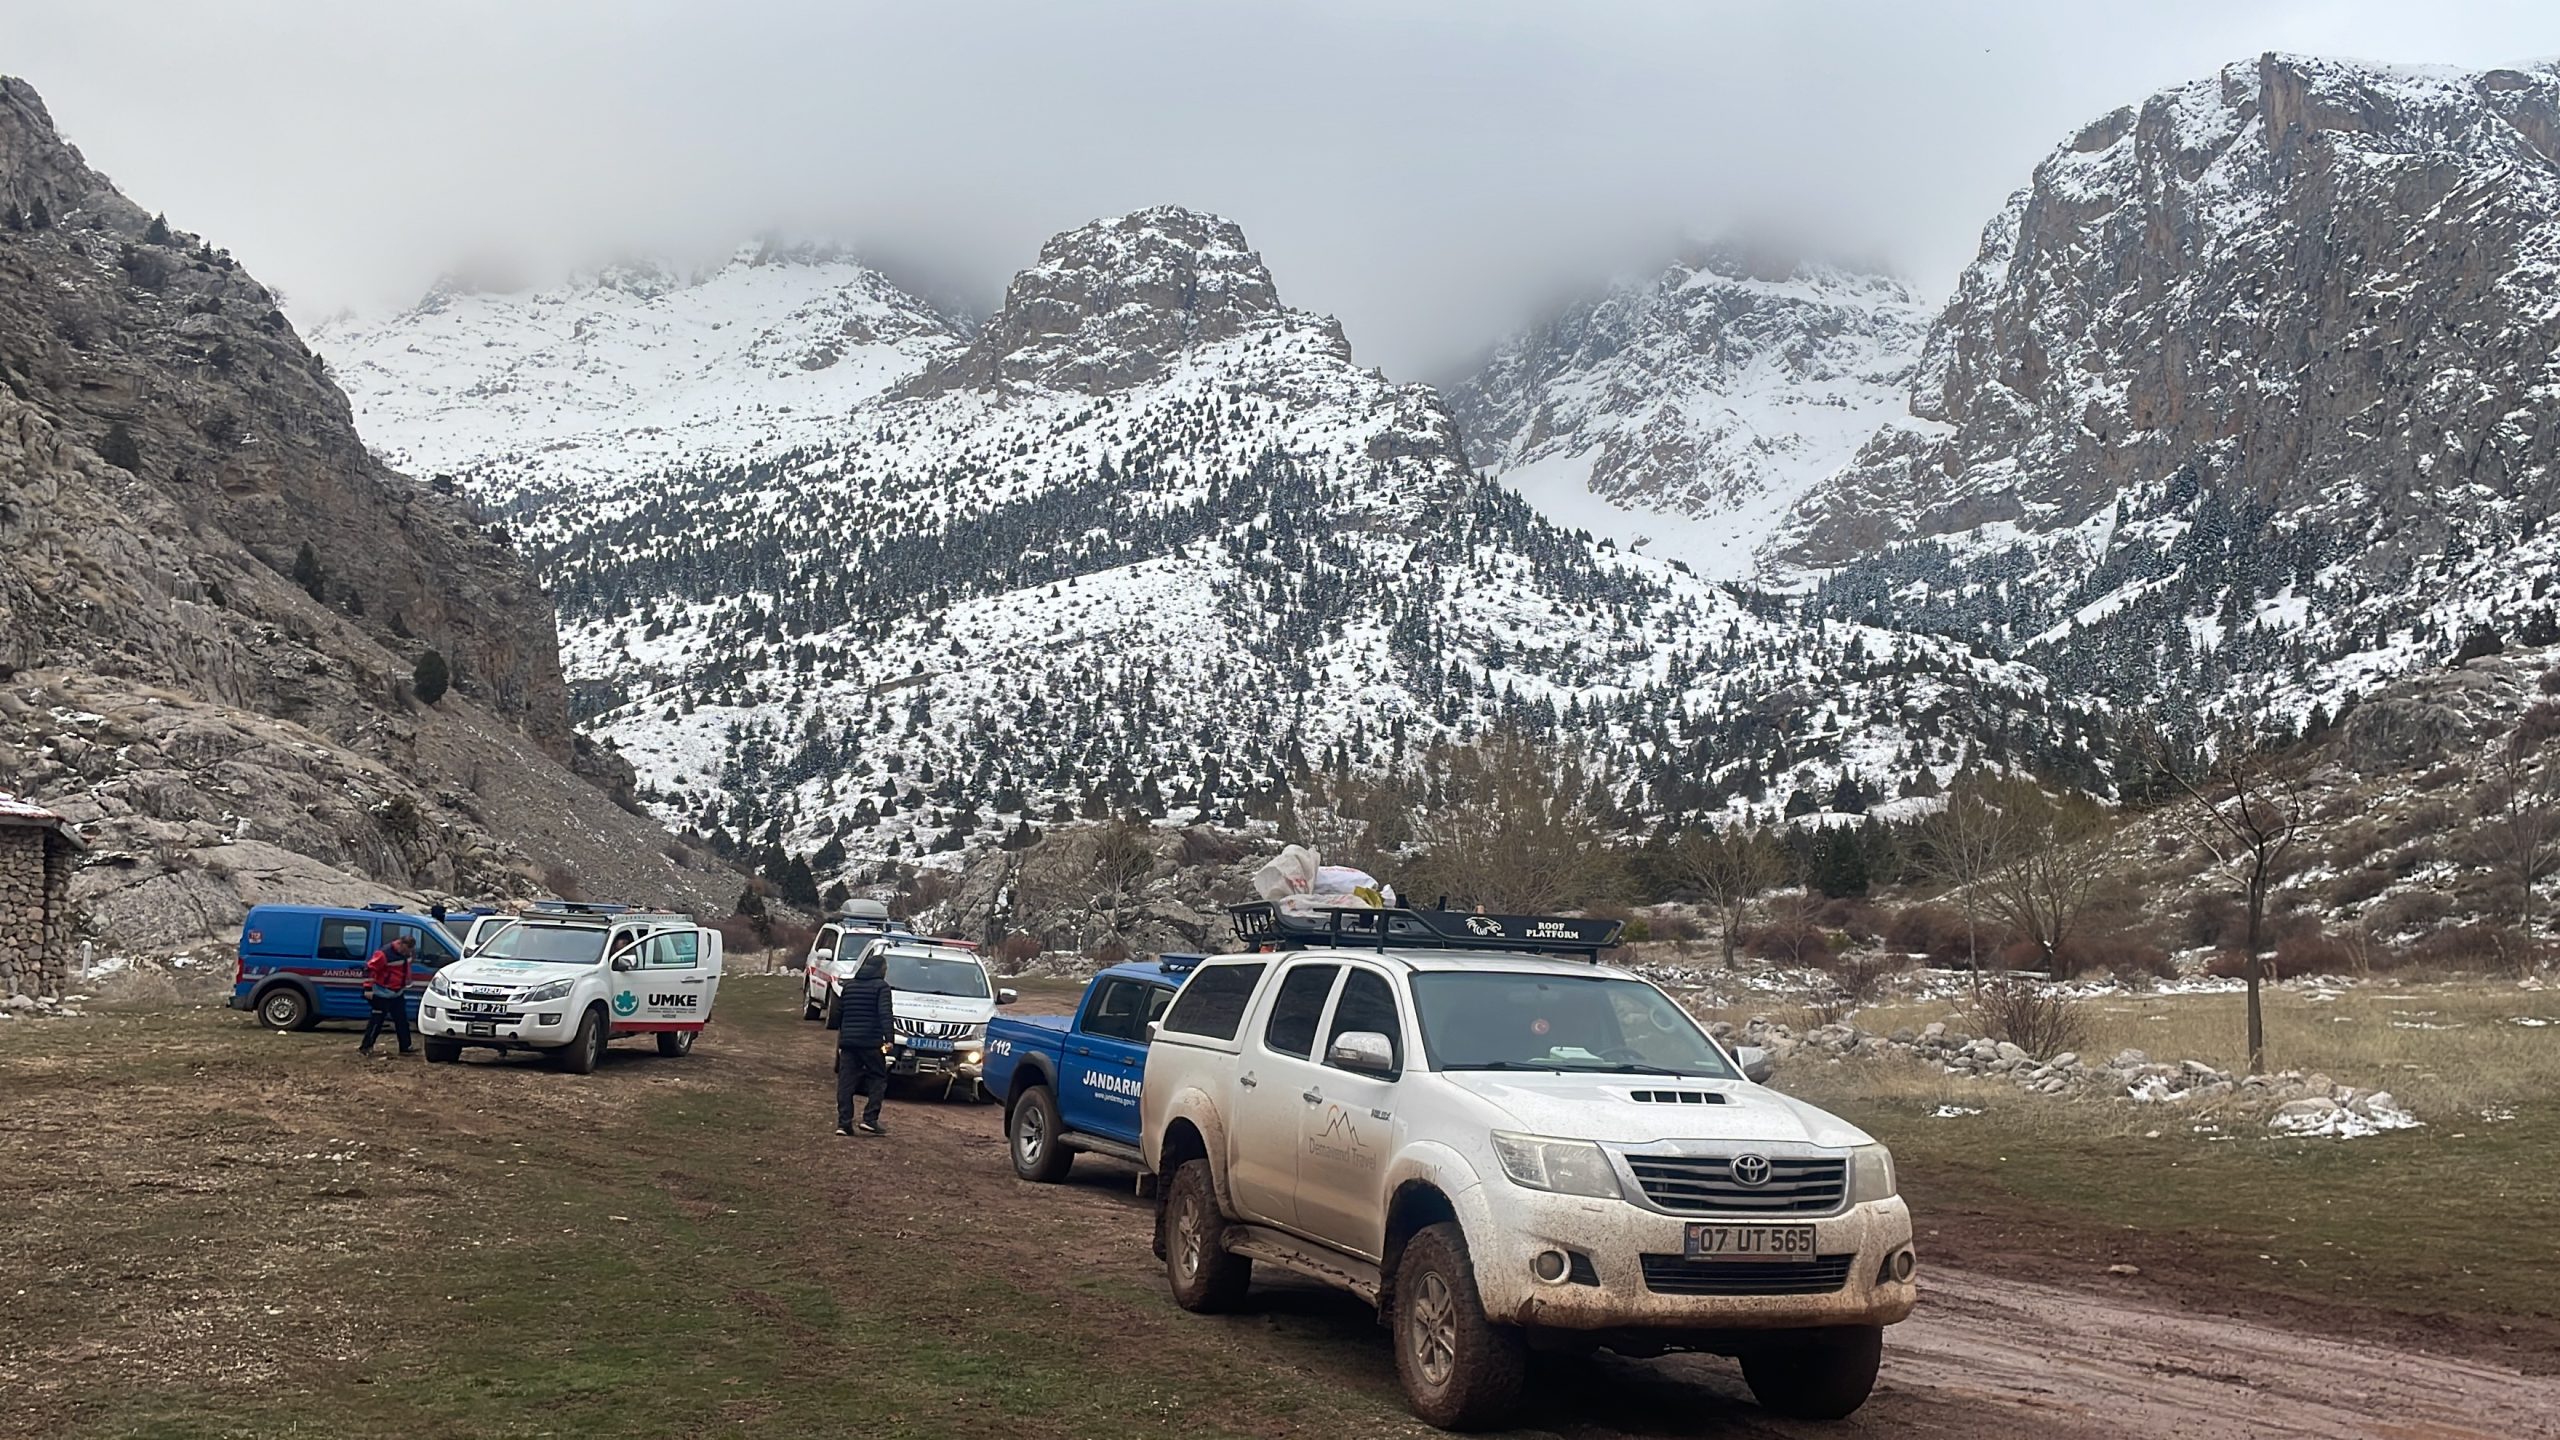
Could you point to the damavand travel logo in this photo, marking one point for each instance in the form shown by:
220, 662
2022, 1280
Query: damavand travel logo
625, 1003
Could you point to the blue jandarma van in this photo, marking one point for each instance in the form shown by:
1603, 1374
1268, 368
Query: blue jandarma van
302, 964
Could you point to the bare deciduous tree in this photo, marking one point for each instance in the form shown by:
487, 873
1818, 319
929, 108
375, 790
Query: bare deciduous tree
2246, 806
1962, 847
2052, 870
1518, 831
2519, 834
1728, 867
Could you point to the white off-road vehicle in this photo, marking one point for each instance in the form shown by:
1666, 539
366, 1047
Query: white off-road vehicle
1502, 1144
568, 979
837, 951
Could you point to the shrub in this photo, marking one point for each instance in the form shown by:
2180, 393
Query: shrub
1860, 973
1935, 932
2119, 956
2233, 964
2357, 886
792, 937
136, 987
2315, 953
432, 677
2472, 947
2550, 682
2033, 1016
2214, 919
1016, 951
1677, 925
1109, 952
2537, 725
1787, 943
1853, 916
2412, 910
561, 879
120, 449
2420, 822
738, 934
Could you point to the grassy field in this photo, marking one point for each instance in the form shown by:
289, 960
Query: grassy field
222, 1231
2434, 1223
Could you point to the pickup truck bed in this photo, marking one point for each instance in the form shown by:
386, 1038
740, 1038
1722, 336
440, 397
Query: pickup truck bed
1069, 1083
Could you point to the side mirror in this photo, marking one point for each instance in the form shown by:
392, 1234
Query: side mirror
1757, 1064
1154, 1028
622, 962
1365, 1051
1007, 997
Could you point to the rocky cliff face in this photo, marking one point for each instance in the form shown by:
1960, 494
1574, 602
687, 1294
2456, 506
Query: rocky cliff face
213, 597
2242, 407
1111, 304
1706, 401
2324, 289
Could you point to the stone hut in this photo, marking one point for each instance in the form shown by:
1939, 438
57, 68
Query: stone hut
37, 849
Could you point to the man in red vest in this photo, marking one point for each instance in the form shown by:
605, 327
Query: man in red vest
386, 989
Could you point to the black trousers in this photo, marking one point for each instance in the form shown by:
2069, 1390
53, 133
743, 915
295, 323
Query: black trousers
865, 1070
396, 1011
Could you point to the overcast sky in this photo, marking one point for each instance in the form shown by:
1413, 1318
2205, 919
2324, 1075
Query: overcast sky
1429, 172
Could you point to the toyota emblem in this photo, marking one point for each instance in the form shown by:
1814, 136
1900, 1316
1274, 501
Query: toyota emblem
1751, 1170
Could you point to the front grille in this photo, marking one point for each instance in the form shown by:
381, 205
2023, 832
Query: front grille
1704, 1185
936, 1029
1680, 1275
478, 993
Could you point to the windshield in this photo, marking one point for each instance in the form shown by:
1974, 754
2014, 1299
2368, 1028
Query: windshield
1491, 1020
545, 944
937, 974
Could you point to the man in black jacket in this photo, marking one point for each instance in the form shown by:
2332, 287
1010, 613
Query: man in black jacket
863, 1022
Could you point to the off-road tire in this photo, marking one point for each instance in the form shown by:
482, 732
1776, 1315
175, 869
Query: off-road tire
286, 1007
1460, 1370
809, 1009
827, 1010
1206, 1280
1815, 1374
1032, 1135
440, 1052
586, 1050
676, 1044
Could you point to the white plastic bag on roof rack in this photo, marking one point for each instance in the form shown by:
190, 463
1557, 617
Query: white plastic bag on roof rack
1344, 882
1293, 872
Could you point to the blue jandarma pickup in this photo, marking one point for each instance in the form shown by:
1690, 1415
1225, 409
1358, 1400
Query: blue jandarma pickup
1069, 1083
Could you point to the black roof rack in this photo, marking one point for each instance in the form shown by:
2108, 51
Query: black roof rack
1264, 926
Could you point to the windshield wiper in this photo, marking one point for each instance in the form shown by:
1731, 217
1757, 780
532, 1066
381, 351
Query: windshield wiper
1549, 1068
1637, 1067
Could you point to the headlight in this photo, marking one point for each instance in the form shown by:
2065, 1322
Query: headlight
1870, 1174
1568, 1167
437, 984
539, 993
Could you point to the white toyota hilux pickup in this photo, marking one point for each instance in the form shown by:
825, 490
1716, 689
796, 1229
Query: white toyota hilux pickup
1502, 1144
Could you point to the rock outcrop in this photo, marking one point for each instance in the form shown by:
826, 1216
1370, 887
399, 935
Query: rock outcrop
2322, 289
214, 599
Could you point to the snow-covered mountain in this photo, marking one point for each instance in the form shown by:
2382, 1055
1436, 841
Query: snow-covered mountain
2246, 404
1689, 413
1151, 537
598, 386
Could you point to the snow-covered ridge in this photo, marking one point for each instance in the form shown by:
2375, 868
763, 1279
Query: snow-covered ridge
599, 383
1151, 538
1688, 413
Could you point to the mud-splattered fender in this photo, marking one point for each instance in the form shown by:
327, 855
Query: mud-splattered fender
1192, 1104
1444, 1169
